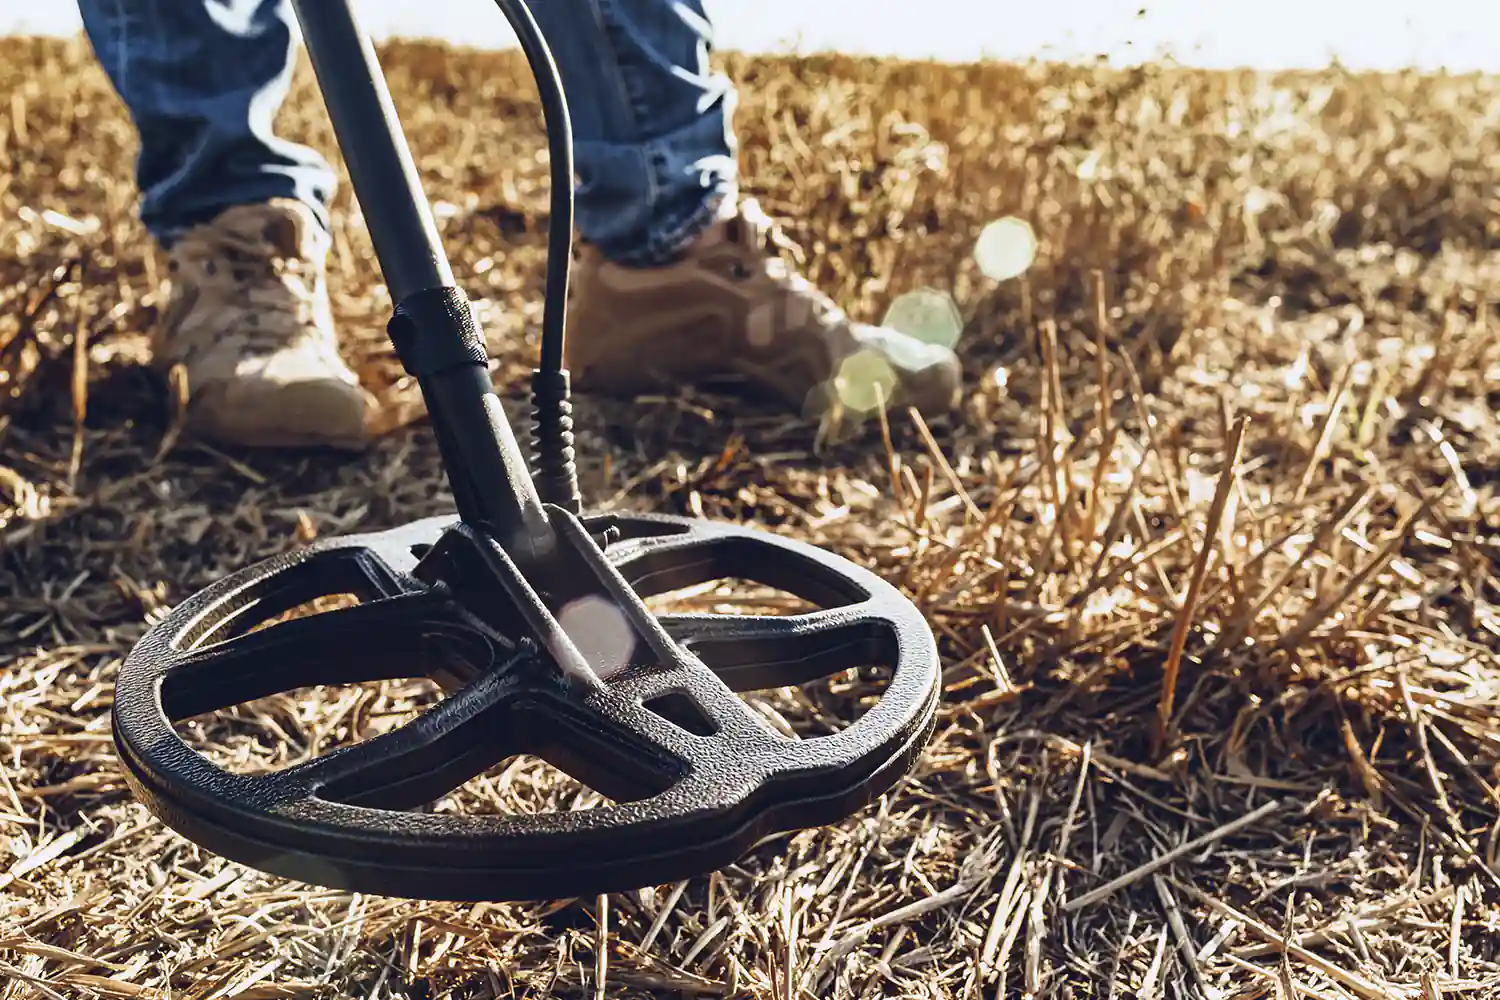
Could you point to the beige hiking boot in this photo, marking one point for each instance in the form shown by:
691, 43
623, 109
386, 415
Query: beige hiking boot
249, 321
733, 308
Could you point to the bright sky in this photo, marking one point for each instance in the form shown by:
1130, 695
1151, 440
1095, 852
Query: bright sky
1461, 35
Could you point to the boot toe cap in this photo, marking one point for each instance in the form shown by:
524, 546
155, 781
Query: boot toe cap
316, 411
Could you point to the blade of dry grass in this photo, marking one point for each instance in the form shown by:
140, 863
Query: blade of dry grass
1161, 861
1212, 535
1358, 984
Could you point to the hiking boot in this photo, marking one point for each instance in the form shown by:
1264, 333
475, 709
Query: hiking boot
249, 321
732, 308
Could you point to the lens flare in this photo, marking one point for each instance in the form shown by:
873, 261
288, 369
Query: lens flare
1006, 248
926, 314
865, 382
599, 629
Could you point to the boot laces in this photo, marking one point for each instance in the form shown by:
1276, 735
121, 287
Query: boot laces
782, 260
269, 297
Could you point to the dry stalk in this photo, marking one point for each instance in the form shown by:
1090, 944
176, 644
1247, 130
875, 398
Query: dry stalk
1212, 536
1161, 861
1358, 984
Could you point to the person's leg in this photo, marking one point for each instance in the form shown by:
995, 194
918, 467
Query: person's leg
241, 213
653, 147
679, 279
203, 81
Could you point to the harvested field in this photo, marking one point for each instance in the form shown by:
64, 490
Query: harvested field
1228, 460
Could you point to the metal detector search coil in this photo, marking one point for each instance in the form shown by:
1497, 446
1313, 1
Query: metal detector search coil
473, 601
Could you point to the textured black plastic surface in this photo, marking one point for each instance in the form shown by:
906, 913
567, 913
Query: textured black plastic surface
693, 794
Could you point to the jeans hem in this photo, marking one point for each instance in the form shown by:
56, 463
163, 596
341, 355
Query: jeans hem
667, 246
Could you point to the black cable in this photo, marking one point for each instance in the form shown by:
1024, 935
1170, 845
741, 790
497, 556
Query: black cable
560, 156
552, 420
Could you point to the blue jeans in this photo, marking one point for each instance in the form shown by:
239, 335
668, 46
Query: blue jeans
204, 79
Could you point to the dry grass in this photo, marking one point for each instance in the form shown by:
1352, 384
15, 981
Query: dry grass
1299, 268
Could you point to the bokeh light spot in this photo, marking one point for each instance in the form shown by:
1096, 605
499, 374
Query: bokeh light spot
601, 632
865, 382
926, 314
1006, 248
